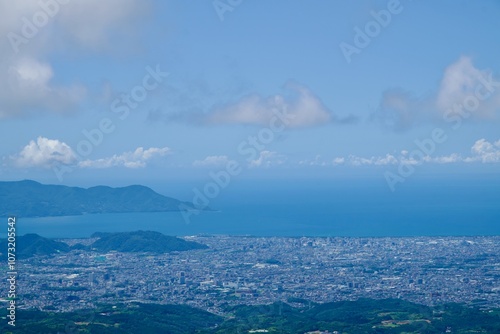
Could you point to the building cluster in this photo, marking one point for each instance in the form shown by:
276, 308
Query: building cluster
261, 270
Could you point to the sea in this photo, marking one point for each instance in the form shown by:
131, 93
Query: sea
352, 207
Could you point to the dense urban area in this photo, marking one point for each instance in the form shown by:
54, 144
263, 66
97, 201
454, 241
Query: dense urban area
260, 270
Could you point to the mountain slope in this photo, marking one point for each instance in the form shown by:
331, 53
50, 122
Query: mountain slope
32, 244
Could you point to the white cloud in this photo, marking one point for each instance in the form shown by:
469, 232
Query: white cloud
44, 153
482, 146
465, 92
267, 159
301, 109
49, 152
485, 151
135, 159
212, 160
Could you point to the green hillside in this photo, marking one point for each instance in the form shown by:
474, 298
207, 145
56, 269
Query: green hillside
362, 316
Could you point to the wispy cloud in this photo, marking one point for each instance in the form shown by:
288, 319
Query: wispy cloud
212, 160
95, 24
28, 85
267, 159
299, 104
133, 159
303, 107
29, 88
317, 161
482, 151
464, 91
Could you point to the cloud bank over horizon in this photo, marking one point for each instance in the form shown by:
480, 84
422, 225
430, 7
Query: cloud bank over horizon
46, 153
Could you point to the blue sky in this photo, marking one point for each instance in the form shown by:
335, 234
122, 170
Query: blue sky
174, 90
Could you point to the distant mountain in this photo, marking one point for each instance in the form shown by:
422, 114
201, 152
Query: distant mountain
32, 199
142, 241
32, 244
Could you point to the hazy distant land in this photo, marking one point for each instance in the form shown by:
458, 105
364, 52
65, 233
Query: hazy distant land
32, 199
140, 241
